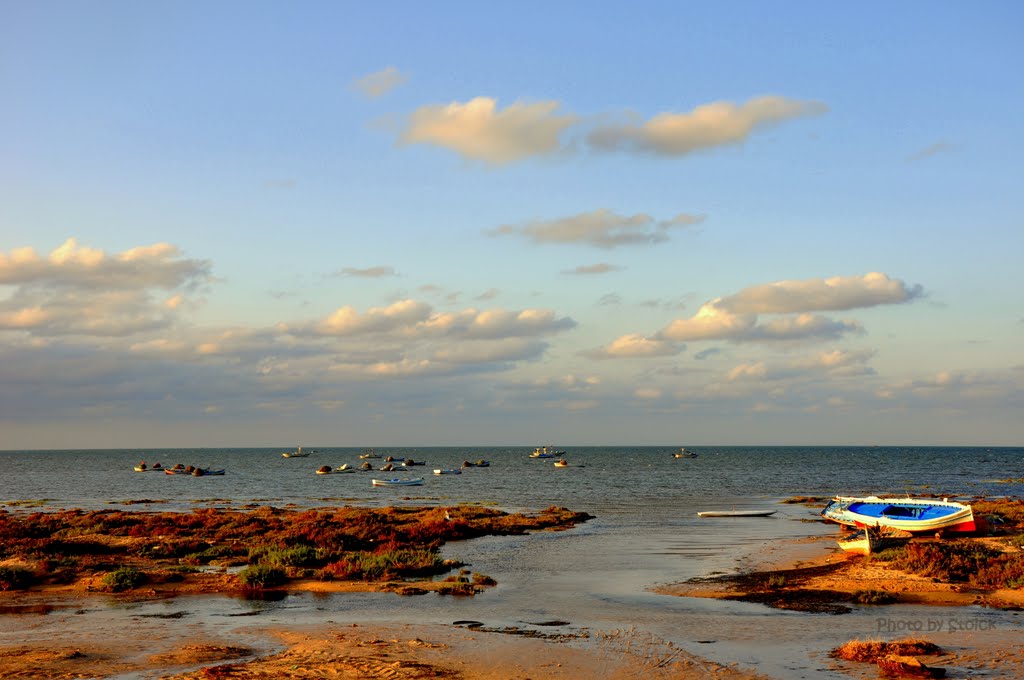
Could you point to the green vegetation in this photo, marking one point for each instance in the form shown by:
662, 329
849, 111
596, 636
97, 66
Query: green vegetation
259, 576
16, 578
125, 578
874, 597
371, 544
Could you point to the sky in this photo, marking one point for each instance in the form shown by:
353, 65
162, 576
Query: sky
398, 224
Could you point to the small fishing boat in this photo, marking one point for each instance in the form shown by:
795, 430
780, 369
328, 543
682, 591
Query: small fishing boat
369, 453
297, 453
683, 452
561, 462
916, 515
448, 471
546, 452
328, 470
409, 462
207, 472
736, 513
415, 481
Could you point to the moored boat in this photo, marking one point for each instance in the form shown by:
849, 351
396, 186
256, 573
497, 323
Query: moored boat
916, 515
415, 481
561, 462
447, 471
297, 453
683, 452
736, 513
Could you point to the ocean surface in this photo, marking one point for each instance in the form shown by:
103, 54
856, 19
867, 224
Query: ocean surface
595, 577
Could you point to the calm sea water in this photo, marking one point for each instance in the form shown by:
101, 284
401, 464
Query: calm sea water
597, 576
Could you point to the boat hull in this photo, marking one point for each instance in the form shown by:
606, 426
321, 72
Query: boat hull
398, 482
736, 513
916, 515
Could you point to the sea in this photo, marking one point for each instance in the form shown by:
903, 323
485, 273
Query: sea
598, 577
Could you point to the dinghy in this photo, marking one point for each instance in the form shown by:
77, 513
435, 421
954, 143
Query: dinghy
415, 481
735, 513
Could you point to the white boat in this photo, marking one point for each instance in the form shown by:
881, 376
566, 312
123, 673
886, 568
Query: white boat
916, 515
415, 481
561, 462
297, 453
683, 452
736, 513
369, 453
453, 471
871, 540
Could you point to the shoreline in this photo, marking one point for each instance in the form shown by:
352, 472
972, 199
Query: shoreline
161, 639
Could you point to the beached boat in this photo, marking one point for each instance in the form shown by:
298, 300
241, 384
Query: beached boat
916, 515
415, 481
683, 452
735, 513
297, 453
447, 471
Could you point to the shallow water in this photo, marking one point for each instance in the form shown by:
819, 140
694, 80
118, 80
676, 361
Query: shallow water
596, 577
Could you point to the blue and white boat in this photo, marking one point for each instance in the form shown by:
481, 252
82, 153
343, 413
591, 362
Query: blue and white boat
916, 515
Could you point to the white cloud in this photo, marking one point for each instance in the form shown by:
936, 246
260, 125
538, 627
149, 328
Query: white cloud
379, 83
930, 150
380, 271
709, 323
78, 290
835, 293
706, 126
602, 228
155, 266
478, 130
802, 327
591, 269
753, 371
634, 346
347, 321
735, 317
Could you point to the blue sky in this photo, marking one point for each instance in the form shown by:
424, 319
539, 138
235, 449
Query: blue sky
242, 224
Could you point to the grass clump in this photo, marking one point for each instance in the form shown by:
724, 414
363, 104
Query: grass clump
16, 578
871, 651
125, 578
1004, 571
259, 576
874, 597
951, 562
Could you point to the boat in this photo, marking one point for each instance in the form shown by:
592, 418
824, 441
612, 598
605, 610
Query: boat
916, 515
369, 453
142, 467
415, 481
871, 540
193, 471
446, 471
683, 452
479, 463
409, 462
546, 452
328, 470
297, 453
735, 513
561, 462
